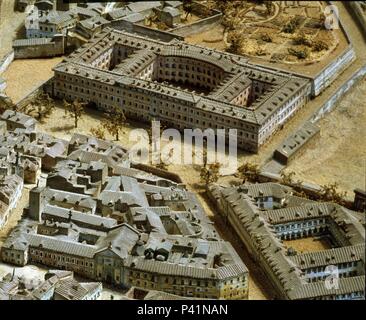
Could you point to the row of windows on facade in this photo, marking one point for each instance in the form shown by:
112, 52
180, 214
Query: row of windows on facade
191, 67
280, 115
50, 29
171, 74
176, 281
142, 98
181, 281
176, 284
341, 266
143, 106
61, 258
58, 27
128, 113
352, 295
187, 76
202, 69
12, 254
291, 226
347, 296
298, 98
199, 287
178, 291
323, 277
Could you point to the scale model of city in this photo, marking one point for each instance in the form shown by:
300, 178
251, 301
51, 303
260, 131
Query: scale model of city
87, 213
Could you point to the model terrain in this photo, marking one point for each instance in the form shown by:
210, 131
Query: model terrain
81, 219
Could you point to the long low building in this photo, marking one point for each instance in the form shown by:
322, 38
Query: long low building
39, 47
183, 85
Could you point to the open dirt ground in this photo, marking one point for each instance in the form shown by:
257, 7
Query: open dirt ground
213, 38
339, 155
24, 76
10, 23
308, 244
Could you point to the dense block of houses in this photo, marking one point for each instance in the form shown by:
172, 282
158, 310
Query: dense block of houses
95, 215
57, 285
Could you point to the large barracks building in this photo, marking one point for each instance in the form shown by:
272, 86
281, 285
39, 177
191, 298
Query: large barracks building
182, 85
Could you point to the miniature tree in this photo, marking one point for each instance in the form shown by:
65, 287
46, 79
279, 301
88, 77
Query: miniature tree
115, 122
161, 26
249, 172
152, 17
236, 42
287, 178
211, 173
260, 52
218, 260
41, 107
330, 192
98, 132
292, 25
302, 39
188, 7
148, 21
266, 37
228, 23
7, 104
300, 54
67, 106
221, 5
319, 45
48, 107
75, 110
